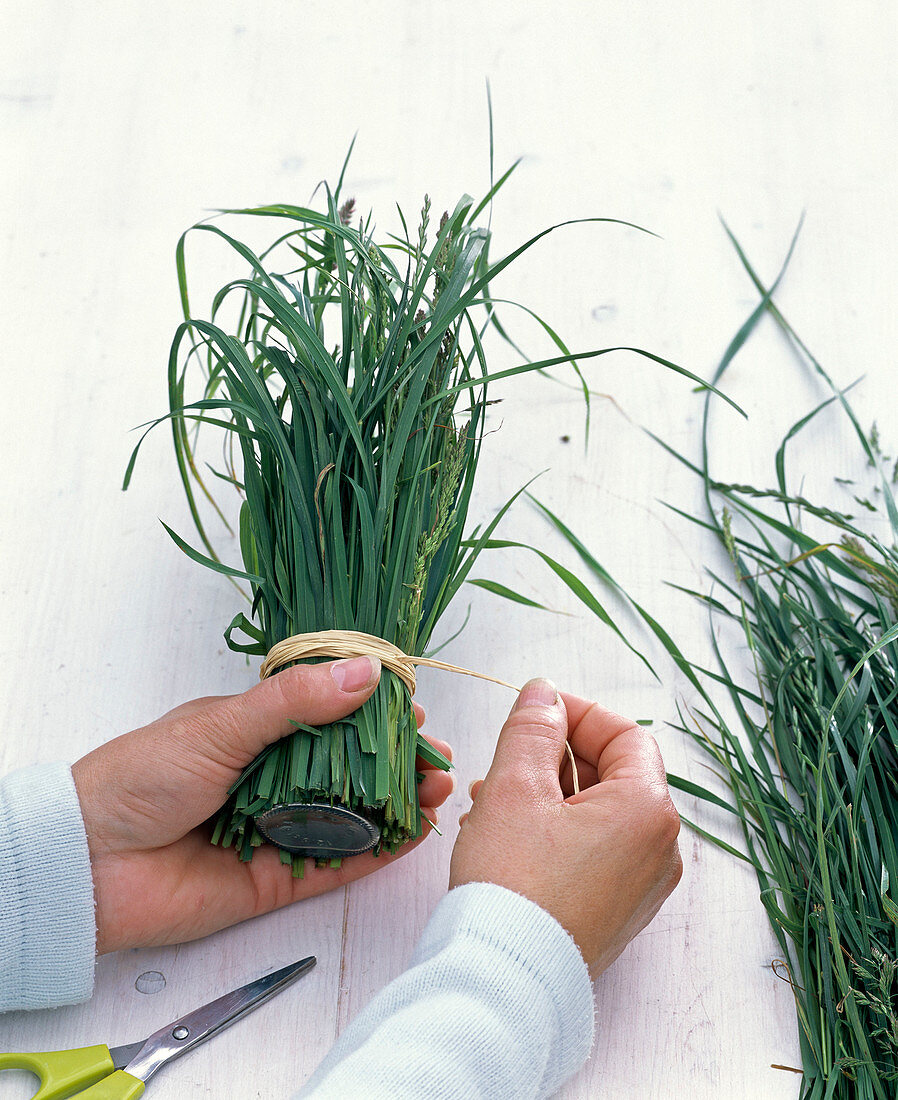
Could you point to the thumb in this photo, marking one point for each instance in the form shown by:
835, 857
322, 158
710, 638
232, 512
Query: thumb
531, 745
241, 726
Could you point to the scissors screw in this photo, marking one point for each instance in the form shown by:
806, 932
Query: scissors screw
180, 1032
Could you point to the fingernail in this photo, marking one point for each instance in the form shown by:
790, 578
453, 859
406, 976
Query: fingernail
537, 693
355, 673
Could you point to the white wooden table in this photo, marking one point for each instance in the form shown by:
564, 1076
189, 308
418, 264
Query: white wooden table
123, 123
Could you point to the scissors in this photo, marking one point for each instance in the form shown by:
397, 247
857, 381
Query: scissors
119, 1073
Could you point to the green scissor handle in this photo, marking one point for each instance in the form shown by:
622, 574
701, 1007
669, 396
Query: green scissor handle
63, 1072
118, 1086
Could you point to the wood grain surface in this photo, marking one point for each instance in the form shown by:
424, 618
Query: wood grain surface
123, 123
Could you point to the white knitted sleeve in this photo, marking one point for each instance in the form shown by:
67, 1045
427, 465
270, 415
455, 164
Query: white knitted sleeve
47, 930
496, 1004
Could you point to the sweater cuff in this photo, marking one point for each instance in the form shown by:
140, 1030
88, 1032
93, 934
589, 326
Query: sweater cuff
47, 928
533, 941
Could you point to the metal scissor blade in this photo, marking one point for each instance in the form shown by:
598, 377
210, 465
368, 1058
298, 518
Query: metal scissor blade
121, 1056
196, 1027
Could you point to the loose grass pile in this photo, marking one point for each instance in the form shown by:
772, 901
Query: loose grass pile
808, 744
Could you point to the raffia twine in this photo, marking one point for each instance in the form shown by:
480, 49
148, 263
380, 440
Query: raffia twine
354, 643
344, 644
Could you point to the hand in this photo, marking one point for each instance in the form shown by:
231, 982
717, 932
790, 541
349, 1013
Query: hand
145, 796
603, 861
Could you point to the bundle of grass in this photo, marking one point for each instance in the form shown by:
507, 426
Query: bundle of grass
349, 383
809, 751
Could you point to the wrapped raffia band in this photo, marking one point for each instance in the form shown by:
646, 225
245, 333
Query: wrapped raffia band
355, 643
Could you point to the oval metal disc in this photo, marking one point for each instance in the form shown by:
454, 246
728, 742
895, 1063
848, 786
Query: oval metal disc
317, 830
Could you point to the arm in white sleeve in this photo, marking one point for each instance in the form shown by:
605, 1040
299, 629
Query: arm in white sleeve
47, 929
497, 1003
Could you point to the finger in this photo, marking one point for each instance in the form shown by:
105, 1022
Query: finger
441, 746
249, 889
473, 788
633, 756
593, 727
531, 744
320, 879
435, 787
236, 728
192, 706
184, 710
436, 784
420, 716
587, 775
576, 708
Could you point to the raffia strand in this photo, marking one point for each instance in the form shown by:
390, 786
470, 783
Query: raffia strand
575, 778
355, 643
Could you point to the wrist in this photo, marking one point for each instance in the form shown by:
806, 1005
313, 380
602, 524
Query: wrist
492, 929
47, 922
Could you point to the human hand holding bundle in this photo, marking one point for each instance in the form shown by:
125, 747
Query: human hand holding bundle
146, 795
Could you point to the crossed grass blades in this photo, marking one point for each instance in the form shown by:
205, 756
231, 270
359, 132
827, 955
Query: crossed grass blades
811, 757
348, 381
